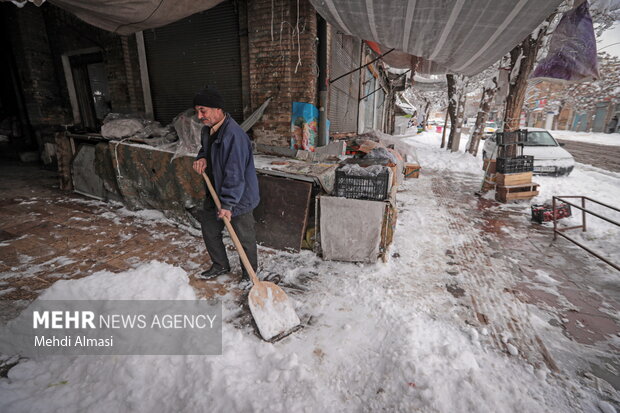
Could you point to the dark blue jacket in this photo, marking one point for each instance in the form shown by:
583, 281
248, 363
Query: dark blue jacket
232, 161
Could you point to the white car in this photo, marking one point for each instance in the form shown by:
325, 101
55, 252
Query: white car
549, 156
489, 129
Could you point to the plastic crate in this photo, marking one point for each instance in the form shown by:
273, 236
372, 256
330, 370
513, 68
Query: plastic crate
523, 163
518, 137
502, 151
372, 188
544, 213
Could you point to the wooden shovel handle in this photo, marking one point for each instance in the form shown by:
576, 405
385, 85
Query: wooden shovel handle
231, 231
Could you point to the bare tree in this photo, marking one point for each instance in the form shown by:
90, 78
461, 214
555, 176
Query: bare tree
443, 133
522, 59
456, 107
488, 93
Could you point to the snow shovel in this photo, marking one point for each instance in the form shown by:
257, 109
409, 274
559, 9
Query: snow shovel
273, 313
486, 171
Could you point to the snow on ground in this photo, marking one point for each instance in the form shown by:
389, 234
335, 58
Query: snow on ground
380, 339
385, 336
611, 139
598, 184
585, 180
431, 156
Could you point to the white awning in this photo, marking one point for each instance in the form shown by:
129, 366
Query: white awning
463, 36
126, 17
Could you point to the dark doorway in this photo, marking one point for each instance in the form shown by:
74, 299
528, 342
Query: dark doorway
91, 89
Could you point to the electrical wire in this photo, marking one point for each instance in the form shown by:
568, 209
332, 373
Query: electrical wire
141, 21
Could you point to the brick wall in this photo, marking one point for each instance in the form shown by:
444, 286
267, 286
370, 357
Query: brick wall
41, 35
35, 65
281, 62
275, 51
67, 33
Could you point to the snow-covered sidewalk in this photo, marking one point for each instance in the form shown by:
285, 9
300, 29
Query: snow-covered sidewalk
441, 327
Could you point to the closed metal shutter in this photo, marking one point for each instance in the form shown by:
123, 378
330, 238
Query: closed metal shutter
580, 123
184, 56
343, 94
600, 116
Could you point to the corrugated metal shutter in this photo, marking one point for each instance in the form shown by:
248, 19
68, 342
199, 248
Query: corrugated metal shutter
343, 94
200, 50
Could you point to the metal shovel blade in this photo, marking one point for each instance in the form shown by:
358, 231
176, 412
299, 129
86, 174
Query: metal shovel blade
272, 310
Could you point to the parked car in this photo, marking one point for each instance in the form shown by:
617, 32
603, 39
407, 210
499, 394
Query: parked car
549, 156
489, 129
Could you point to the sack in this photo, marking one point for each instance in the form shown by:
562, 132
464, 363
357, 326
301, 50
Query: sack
572, 51
188, 129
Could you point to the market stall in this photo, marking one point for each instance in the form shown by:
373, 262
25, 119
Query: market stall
338, 201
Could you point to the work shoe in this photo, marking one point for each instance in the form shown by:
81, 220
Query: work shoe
214, 271
271, 277
245, 284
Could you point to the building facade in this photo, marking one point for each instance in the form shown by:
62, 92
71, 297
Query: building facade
63, 71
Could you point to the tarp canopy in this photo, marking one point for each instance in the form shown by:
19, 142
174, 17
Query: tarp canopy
425, 84
463, 36
402, 60
126, 17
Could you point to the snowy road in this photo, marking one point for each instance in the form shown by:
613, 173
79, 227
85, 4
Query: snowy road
602, 156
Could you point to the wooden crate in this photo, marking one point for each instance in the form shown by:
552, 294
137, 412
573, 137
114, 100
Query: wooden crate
412, 170
488, 184
491, 167
394, 169
523, 178
515, 192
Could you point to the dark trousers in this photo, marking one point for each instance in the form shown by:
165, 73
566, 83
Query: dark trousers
212, 234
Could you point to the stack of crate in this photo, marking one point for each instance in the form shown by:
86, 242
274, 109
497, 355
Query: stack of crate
514, 174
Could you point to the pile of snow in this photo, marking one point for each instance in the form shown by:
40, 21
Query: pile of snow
430, 155
610, 139
370, 346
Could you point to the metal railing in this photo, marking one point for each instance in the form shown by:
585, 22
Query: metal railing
584, 212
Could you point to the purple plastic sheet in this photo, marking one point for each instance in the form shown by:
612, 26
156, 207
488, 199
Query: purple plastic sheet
572, 52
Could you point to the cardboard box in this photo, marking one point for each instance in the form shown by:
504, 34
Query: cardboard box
412, 170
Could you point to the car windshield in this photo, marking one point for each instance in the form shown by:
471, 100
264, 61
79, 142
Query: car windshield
540, 138
491, 125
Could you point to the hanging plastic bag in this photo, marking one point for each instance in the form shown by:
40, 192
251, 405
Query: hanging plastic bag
572, 51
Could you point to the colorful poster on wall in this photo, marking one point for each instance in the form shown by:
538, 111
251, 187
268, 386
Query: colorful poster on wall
304, 126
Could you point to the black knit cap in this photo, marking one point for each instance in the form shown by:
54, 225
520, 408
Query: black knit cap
210, 98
